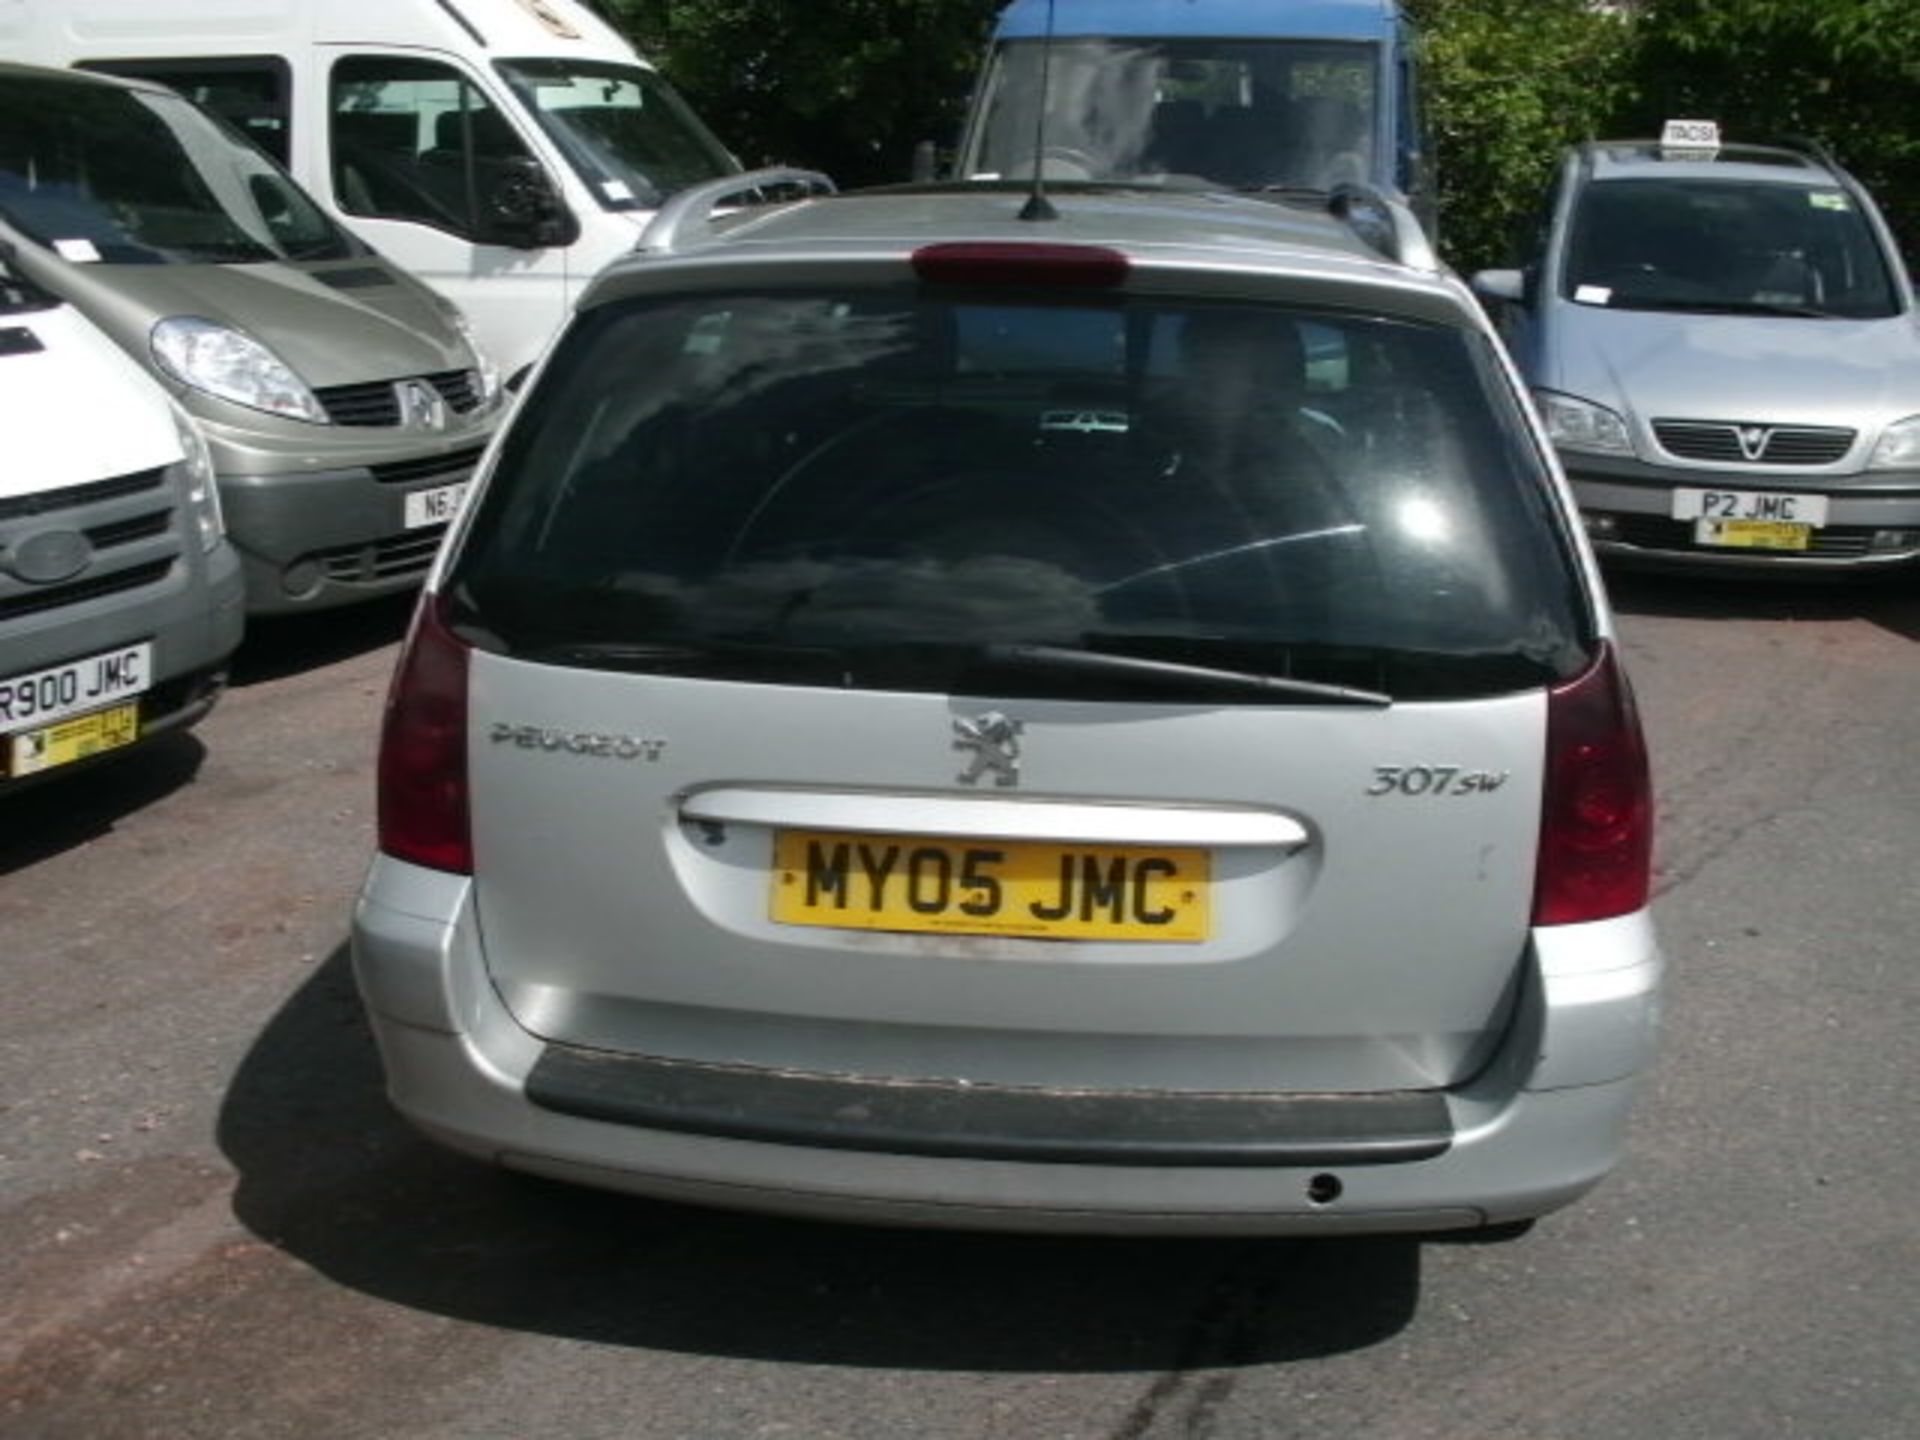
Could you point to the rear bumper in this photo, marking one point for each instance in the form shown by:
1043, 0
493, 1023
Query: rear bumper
1539, 1126
975, 1121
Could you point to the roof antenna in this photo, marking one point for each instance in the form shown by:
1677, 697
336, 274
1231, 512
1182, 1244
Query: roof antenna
1038, 206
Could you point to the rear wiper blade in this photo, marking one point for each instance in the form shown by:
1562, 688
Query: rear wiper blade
1103, 662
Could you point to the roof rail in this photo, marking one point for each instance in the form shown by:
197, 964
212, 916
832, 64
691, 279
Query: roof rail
688, 215
1384, 223
1809, 147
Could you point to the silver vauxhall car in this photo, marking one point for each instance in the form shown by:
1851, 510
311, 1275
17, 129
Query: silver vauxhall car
1102, 723
1724, 343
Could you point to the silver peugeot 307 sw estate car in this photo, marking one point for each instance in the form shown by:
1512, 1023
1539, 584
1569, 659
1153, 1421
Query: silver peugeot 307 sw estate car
1103, 723
1723, 341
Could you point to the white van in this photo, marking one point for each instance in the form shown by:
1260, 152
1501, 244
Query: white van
501, 150
120, 599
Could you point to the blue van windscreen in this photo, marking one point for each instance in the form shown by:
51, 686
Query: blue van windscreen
1247, 114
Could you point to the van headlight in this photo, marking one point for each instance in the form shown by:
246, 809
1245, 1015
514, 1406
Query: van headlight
1574, 424
231, 364
1899, 447
203, 494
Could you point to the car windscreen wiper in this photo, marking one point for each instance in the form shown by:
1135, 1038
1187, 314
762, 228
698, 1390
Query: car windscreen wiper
232, 252
1725, 307
1312, 194
1175, 673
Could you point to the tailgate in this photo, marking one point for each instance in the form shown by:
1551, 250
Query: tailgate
1263, 897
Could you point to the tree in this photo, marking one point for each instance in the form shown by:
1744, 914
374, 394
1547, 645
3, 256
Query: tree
1845, 72
849, 87
1512, 83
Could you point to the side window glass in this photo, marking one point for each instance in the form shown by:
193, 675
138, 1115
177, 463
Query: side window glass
251, 94
1532, 231
417, 140
1408, 144
1328, 367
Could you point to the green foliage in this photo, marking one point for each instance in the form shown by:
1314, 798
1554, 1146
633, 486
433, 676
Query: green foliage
849, 87
1844, 72
1510, 84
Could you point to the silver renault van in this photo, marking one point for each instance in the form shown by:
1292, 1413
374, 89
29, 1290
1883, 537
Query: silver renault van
343, 403
1100, 723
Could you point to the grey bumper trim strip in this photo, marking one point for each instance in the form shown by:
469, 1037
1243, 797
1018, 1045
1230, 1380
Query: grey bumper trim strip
951, 1119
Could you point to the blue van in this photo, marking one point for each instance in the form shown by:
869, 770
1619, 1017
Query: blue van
1280, 96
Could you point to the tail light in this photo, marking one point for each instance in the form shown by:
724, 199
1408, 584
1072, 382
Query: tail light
1596, 822
423, 750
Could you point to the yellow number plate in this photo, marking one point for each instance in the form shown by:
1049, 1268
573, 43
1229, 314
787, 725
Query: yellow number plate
1752, 534
32, 751
927, 885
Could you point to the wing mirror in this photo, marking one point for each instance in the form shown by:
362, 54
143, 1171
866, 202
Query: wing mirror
1508, 285
524, 210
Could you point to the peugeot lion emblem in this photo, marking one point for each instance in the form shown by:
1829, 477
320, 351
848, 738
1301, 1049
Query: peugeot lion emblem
993, 743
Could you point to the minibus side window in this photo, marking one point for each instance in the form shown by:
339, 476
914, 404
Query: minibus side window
417, 140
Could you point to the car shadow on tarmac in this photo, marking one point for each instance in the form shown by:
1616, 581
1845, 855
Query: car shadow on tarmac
329, 1174
1891, 602
66, 811
278, 646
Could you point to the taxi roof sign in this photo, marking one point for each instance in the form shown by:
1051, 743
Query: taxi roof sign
1690, 135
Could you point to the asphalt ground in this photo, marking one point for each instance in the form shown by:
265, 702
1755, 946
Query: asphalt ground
213, 1226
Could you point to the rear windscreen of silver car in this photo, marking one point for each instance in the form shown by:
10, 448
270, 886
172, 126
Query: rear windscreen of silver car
945, 492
